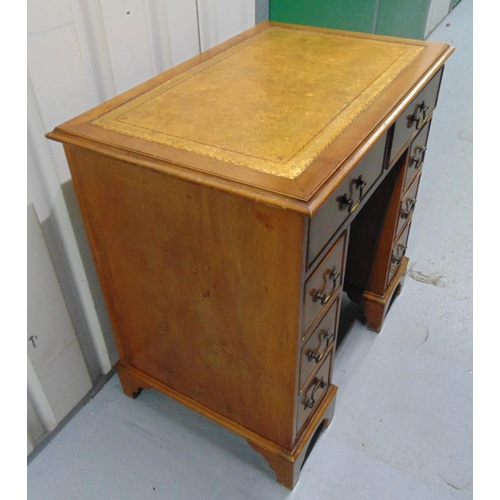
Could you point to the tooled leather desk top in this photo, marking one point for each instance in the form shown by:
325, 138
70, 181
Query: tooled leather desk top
271, 103
278, 114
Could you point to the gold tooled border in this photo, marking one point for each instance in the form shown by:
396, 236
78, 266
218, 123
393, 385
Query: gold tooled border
304, 156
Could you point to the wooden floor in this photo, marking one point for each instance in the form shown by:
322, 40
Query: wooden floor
403, 422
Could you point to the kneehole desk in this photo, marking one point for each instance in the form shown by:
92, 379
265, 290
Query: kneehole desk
230, 201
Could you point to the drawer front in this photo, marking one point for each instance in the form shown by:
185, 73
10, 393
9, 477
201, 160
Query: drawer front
414, 116
416, 156
319, 344
344, 200
398, 252
408, 205
310, 400
323, 284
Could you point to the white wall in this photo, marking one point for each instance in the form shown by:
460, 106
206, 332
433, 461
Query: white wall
81, 53
57, 376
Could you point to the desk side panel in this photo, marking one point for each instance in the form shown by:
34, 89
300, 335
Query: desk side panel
203, 288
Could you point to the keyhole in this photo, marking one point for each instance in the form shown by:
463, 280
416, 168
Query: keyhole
32, 338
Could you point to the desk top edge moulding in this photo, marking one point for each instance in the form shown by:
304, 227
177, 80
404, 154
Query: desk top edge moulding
231, 200
266, 113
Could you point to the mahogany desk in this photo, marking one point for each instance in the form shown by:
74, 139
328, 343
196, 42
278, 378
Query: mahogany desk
230, 200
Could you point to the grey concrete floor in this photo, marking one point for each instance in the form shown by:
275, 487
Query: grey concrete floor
403, 422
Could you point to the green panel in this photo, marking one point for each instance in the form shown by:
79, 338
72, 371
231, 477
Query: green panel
339, 14
454, 3
404, 18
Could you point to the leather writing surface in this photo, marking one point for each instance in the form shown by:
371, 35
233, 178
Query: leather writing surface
271, 103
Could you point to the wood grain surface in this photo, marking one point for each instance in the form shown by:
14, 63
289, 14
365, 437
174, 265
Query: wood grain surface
203, 288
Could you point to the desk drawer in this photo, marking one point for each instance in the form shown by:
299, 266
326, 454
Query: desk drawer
414, 116
407, 205
416, 156
321, 287
398, 252
336, 209
319, 343
310, 399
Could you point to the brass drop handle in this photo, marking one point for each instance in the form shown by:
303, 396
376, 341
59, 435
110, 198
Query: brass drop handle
319, 384
410, 206
351, 206
323, 297
419, 157
315, 355
419, 115
400, 251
